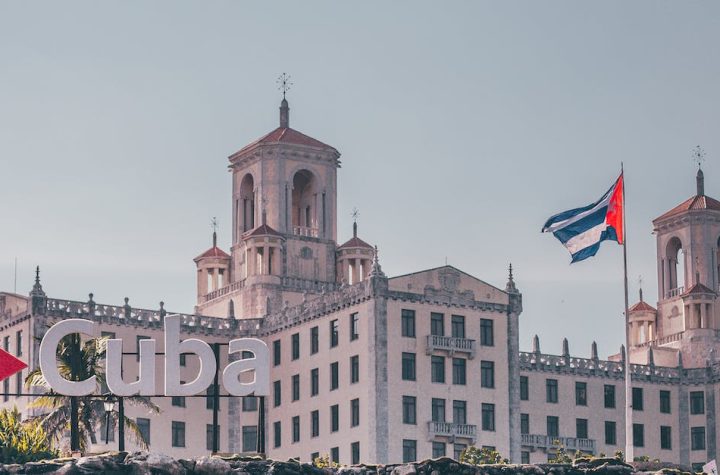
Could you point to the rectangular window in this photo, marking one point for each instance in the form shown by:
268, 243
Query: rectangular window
438, 410
409, 409
437, 369
354, 327
487, 374
666, 437
277, 434
19, 383
409, 450
209, 437
551, 390
408, 323
355, 453
665, 402
296, 429
314, 381
249, 438
553, 426
209, 398
487, 337
178, 401
354, 412
524, 388
638, 435
437, 324
334, 376
610, 396
143, 425
581, 394
334, 333
295, 387
458, 450
334, 418
295, 346
637, 400
19, 343
335, 454
610, 433
277, 393
697, 438
314, 340
277, 353
354, 369
458, 371
249, 404
408, 366
581, 428
314, 423
488, 417
697, 402
183, 359
525, 457
439, 449
178, 434
524, 423
457, 326
460, 412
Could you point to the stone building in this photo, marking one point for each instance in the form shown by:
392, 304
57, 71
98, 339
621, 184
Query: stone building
376, 369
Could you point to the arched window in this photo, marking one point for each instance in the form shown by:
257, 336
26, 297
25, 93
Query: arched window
675, 258
304, 213
246, 204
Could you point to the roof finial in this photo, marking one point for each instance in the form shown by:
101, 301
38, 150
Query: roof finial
510, 286
37, 275
214, 224
376, 270
698, 156
284, 84
640, 281
355, 214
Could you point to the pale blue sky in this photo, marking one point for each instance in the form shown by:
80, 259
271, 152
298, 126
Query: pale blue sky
462, 127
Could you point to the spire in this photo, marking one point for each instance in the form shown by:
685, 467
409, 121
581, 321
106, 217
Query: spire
376, 270
536, 344
214, 225
37, 294
510, 286
284, 84
566, 348
355, 214
37, 289
700, 182
593, 351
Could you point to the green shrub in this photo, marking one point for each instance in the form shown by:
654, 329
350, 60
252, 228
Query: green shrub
324, 462
22, 442
475, 456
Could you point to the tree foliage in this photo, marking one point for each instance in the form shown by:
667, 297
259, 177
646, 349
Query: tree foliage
77, 361
22, 442
475, 456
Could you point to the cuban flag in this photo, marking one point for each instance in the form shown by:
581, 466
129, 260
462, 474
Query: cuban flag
581, 230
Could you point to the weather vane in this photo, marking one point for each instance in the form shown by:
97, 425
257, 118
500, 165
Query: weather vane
284, 83
214, 224
698, 156
355, 214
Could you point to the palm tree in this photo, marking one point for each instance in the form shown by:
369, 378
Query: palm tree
77, 361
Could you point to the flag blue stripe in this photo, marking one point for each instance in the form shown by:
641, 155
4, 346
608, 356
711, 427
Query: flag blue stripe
574, 212
580, 226
608, 235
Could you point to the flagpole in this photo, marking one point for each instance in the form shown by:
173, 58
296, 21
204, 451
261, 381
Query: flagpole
628, 380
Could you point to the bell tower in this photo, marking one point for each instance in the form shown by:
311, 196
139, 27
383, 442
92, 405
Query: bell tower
688, 247
284, 215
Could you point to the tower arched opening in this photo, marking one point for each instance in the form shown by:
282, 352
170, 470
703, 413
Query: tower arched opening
304, 207
675, 258
246, 203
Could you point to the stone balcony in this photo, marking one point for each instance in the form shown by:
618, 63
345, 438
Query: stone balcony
305, 231
452, 430
673, 293
570, 443
450, 344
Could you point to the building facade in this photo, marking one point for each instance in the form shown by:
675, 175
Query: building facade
375, 369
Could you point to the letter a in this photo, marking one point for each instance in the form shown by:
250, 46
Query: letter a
260, 386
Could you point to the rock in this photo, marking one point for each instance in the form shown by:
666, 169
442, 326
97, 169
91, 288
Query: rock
212, 466
143, 463
408, 469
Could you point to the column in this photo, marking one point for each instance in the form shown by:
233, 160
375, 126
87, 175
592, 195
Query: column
266, 260
356, 271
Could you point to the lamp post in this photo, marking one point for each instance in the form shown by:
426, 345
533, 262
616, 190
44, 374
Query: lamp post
121, 424
109, 406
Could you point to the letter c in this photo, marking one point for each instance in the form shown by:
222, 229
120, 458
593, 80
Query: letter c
48, 358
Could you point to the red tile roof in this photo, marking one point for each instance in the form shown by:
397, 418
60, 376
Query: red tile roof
694, 203
355, 242
642, 307
264, 230
213, 252
286, 135
699, 289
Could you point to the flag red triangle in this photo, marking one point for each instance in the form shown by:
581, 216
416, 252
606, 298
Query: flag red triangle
9, 365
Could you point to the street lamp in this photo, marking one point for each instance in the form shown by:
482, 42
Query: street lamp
109, 407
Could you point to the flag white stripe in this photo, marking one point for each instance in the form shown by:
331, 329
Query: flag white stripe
586, 239
561, 224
